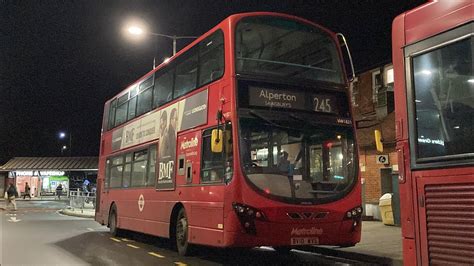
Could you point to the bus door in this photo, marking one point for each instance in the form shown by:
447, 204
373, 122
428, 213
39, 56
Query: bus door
101, 201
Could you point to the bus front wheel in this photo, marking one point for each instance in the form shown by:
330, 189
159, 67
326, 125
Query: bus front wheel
182, 244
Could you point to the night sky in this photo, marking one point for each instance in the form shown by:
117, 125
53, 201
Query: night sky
61, 60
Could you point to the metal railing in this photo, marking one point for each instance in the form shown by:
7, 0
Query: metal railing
82, 200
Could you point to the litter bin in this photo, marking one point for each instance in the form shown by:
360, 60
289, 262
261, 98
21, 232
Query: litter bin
386, 211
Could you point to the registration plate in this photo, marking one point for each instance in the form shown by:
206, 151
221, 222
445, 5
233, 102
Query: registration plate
296, 241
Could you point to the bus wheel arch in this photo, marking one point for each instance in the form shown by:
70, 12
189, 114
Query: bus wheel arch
111, 207
179, 242
112, 220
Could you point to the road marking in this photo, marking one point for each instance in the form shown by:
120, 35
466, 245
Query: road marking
179, 263
132, 246
90, 229
14, 220
127, 240
156, 255
116, 240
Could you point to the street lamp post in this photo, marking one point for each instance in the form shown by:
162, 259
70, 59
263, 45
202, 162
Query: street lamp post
62, 135
64, 147
172, 37
135, 30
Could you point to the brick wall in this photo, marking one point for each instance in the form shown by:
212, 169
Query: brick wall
370, 171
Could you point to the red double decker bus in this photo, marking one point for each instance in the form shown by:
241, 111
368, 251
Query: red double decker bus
244, 138
434, 102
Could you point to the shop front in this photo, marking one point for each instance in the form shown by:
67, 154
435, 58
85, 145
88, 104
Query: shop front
41, 183
44, 174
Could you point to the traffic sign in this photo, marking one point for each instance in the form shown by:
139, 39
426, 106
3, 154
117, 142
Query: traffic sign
382, 159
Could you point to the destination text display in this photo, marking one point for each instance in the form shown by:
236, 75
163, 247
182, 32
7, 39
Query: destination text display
280, 98
276, 98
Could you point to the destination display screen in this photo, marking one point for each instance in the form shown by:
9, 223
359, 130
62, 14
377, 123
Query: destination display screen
276, 98
289, 99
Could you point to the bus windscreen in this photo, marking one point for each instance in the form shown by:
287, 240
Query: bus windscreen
298, 165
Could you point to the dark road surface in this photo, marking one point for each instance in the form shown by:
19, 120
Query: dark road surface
37, 234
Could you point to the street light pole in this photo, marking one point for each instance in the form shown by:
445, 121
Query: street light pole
70, 144
172, 37
62, 135
135, 30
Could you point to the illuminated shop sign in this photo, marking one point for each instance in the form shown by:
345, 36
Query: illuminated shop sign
39, 173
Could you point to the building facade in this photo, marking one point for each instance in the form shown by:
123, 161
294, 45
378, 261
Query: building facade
373, 107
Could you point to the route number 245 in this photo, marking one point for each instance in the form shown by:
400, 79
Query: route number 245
322, 105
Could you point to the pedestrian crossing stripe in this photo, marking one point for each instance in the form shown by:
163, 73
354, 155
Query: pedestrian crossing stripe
116, 240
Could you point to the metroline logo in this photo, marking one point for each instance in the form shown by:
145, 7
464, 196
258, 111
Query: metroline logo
193, 142
306, 231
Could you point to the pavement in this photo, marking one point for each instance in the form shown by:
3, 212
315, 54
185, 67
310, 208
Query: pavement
42, 198
380, 244
87, 212
84, 213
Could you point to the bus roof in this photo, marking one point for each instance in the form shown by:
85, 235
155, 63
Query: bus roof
440, 15
226, 22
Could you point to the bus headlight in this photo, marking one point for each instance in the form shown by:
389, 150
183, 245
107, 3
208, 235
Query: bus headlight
354, 213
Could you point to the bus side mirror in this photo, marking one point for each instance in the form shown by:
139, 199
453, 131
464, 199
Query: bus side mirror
216, 140
378, 140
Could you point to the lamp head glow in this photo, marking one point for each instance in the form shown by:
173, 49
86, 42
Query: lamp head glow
135, 30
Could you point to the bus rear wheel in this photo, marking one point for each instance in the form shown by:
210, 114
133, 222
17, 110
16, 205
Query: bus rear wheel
182, 244
114, 230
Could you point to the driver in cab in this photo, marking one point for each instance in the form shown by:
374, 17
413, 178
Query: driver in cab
283, 162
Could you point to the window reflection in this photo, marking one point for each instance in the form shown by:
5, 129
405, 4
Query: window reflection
297, 164
444, 100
